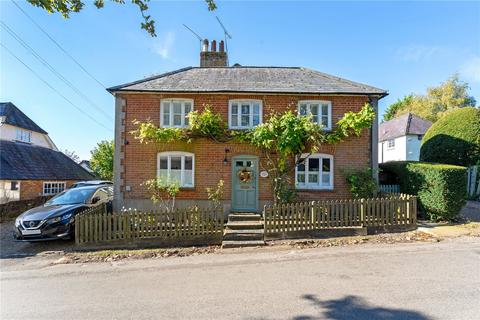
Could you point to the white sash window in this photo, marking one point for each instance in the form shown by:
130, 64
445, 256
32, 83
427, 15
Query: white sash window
176, 167
173, 112
315, 172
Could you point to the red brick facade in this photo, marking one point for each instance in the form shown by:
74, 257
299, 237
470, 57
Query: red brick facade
139, 161
30, 189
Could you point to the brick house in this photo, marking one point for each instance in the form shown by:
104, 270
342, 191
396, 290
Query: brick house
30, 163
244, 96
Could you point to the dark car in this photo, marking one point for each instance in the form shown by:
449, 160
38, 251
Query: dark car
91, 183
55, 219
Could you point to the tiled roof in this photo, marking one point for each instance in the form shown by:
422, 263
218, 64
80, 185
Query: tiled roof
20, 161
11, 115
405, 124
249, 79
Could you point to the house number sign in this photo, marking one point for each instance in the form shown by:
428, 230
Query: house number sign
263, 174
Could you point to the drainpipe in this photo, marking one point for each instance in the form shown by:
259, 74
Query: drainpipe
374, 138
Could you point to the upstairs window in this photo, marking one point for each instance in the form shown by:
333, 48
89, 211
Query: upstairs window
315, 172
391, 144
177, 167
321, 112
52, 188
24, 136
173, 112
244, 114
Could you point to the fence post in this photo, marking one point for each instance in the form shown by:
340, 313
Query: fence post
362, 212
77, 229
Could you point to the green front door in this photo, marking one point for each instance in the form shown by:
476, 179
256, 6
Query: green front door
244, 184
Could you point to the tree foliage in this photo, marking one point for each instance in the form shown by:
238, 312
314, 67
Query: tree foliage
449, 95
67, 7
454, 139
102, 159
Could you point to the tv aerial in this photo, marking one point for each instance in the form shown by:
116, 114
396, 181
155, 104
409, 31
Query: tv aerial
194, 33
225, 32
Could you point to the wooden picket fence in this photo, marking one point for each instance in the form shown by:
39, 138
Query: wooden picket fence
395, 210
96, 225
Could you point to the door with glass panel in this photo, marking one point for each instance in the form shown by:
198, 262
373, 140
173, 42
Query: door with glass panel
244, 184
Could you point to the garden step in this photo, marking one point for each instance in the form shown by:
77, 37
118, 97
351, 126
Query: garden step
242, 235
244, 217
238, 244
242, 225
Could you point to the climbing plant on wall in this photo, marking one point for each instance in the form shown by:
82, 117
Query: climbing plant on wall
281, 138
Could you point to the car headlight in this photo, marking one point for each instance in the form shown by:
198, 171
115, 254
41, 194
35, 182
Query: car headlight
17, 222
54, 220
66, 216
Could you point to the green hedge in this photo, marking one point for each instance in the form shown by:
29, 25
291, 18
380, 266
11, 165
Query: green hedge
454, 139
441, 188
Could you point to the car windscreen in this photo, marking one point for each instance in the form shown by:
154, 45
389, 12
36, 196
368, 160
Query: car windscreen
71, 196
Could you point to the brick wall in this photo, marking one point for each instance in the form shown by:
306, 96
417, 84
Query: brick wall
30, 189
140, 160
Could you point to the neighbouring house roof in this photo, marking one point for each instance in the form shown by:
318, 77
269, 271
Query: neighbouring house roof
293, 80
11, 115
20, 161
403, 125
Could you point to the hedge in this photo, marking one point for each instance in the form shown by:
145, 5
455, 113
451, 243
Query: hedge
454, 139
441, 188
12, 209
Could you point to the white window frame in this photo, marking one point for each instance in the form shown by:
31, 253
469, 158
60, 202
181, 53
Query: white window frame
171, 101
391, 146
315, 186
169, 155
58, 185
24, 135
320, 103
239, 115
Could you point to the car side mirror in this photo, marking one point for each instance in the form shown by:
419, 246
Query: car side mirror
95, 199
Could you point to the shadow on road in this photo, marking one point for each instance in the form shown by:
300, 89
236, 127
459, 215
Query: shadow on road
356, 308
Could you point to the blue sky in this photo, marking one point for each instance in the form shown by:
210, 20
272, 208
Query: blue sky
403, 47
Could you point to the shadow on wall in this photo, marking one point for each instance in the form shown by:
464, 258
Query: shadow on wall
356, 308
450, 150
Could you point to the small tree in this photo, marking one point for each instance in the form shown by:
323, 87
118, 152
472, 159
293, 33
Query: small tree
102, 159
163, 191
216, 194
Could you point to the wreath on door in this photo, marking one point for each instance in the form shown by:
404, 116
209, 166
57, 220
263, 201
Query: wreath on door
244, 175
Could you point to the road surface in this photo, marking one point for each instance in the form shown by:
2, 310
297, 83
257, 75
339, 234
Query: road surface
402, 281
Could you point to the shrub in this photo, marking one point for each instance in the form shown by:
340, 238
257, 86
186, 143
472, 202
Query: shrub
441, 188
361, 182
454, 139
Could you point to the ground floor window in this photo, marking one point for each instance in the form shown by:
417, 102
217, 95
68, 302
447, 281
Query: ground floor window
177, 167
52, 188
315, 172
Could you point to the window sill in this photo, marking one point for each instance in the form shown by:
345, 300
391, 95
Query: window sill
313, 189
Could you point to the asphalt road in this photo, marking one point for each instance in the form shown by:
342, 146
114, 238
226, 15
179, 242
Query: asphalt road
402, 281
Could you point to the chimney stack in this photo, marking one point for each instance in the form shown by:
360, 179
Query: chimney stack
213, 58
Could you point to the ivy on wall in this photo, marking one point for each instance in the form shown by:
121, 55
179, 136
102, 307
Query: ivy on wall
281, 138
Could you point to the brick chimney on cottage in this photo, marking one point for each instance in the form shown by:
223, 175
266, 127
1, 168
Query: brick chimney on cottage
213, 58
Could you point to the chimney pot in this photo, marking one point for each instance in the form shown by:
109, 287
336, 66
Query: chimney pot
205, 45
214, 46
221, 46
